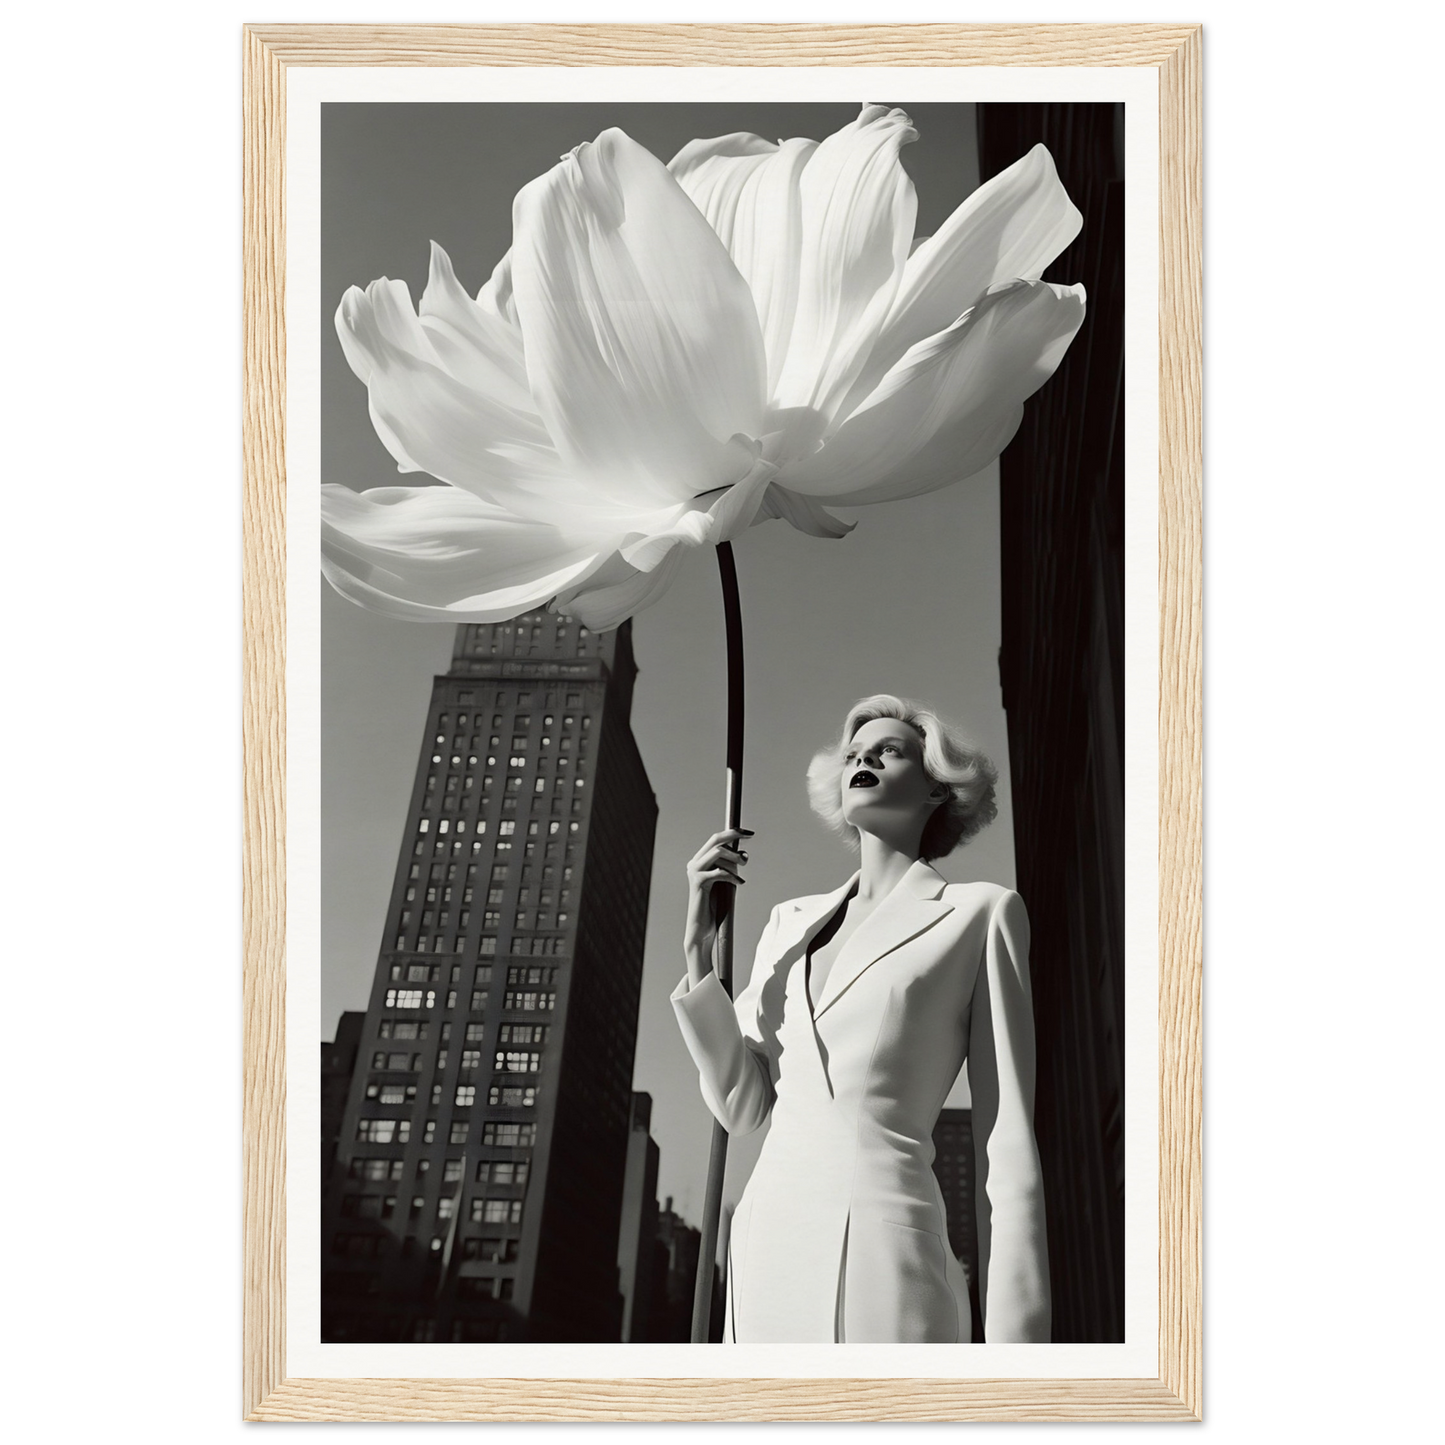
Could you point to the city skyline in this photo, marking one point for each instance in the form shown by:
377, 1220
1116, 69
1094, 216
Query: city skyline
477, 1188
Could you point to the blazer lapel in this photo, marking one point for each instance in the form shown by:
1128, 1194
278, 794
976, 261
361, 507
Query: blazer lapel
809, 915
914, 906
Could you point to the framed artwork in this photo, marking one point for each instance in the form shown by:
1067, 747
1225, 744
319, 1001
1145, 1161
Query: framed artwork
901, 325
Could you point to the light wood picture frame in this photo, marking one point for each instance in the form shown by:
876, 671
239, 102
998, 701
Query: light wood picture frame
1174, 51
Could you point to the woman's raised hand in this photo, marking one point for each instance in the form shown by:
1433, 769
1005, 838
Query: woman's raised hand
719, 860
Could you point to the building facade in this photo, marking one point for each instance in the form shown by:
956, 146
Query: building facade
635, 1252
1061, 667
338, 1063
953, 1163
477, 1188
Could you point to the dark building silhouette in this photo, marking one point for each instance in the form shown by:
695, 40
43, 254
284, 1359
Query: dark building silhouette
338, 1059
477, 1190
675, 1269
1061, 667
635, 1256
953, 1163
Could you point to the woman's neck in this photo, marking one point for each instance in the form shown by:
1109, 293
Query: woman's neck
883, 863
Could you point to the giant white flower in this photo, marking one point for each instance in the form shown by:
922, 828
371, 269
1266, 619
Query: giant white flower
669, 354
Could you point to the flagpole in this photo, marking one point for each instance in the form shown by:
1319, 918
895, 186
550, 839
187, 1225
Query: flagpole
723, 896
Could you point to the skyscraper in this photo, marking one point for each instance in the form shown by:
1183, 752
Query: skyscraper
637, 1241
338, 1063
953, 1163
477, 1190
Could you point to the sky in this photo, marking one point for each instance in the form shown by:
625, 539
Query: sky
908, 603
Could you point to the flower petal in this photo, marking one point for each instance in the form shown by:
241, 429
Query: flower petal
616, 591
495, 297
643, 349
432, 420
1009, 229
706, 520
857, 213
803, 512
439, 552
951, 404
476, 343
749, 190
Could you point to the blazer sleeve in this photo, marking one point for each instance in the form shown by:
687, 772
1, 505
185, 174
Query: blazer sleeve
1008, 1191
725, 1041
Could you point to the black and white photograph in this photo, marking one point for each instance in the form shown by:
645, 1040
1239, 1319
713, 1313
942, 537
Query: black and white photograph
722, 723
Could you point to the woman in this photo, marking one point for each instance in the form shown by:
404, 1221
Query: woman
862, 1007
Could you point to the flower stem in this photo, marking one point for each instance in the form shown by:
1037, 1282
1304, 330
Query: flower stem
723, 896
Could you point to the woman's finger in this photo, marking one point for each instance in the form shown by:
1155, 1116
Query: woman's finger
713, 874
710, 857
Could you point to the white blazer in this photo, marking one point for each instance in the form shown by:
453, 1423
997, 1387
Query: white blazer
841, 1233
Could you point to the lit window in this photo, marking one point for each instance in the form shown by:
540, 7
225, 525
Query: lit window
489, 945
409, 998
509, 1135
383, 1131
471, 1058
429, 1133
446, 1207
523, 1034
507, 828
502, 1171
401, 1029
458, 1133
466, 1095
516, 1061
424, 825
479, 1000
475, 1032
376, 1169
496, 1211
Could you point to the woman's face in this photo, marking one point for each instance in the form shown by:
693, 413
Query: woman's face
883, 781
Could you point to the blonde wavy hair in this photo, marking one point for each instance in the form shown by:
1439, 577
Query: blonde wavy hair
948, 758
